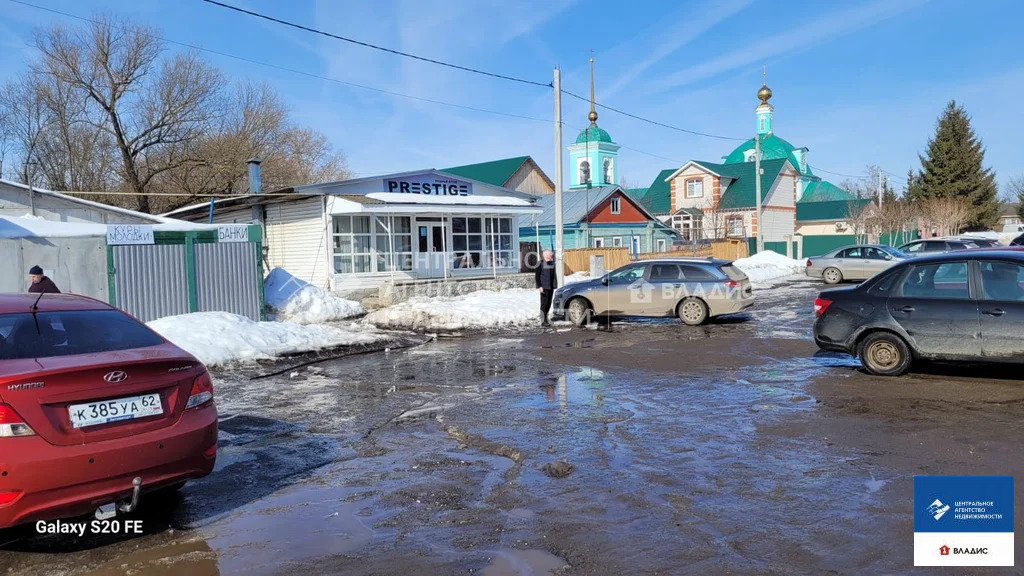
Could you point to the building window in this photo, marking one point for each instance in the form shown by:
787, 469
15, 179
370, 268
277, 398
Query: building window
608, 171
688, 225
400, 240
616, 205
617, 242
661, 245
361, 244
482, 243
584, 174
695, 188
762, 123
598, 242
734, 226
353, 248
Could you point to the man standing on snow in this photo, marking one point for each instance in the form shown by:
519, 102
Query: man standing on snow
547, 281
40, 283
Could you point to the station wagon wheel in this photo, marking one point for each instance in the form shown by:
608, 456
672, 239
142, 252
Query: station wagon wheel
693, 311
885, 354
832, 276
579, 312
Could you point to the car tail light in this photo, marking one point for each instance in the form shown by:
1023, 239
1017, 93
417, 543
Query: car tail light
731, 284
809, 263
8, 497
11, 424
211, 451
202, 391
820, 305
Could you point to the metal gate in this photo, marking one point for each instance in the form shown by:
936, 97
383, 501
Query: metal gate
226, 275
150, 281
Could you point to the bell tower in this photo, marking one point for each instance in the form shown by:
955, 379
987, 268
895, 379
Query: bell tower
593, 158
764, 109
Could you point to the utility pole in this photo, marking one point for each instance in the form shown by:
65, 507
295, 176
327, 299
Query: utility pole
559, 267
757, 189
879, 188
29, 173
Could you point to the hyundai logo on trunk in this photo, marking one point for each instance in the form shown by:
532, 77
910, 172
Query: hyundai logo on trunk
116, 376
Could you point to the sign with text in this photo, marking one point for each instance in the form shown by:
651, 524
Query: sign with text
119, 234
963, 521
428, 185
233, 233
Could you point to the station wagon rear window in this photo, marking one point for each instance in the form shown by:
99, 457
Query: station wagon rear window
49, 334
733, 272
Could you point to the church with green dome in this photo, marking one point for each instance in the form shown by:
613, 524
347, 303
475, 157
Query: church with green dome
714, 200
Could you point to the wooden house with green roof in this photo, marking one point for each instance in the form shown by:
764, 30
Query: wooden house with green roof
521, 174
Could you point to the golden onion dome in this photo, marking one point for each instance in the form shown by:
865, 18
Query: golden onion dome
764, 94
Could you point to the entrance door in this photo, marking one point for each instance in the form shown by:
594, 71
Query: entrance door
431, 258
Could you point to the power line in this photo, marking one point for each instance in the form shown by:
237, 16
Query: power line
673, 160
295, 71
649, 121
375, 47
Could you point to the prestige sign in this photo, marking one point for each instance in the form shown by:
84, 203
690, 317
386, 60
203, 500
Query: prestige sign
428, 185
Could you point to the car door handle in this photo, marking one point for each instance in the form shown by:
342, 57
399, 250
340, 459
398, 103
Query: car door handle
903, 309
994, 312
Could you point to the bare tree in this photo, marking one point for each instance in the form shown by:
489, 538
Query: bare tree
25, 117
859, 215
947, 215
150, 109
1015, 192
894, 220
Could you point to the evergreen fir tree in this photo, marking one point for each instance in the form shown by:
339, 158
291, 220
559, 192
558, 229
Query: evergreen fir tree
888, 194
953, 167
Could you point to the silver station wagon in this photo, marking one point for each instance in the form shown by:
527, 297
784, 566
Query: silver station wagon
691, 289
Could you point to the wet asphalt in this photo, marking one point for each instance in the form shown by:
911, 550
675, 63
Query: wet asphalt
647, 448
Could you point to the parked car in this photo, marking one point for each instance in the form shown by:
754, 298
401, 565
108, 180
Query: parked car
858, 262
95, 410
692, 289
1018, 241
935, 246
965, 306
979, 241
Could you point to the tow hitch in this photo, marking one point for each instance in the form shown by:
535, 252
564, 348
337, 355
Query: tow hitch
108, 511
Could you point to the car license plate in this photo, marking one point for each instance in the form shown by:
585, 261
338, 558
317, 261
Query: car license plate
94, 413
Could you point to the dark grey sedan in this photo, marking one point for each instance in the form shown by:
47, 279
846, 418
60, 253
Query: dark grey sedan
858, 262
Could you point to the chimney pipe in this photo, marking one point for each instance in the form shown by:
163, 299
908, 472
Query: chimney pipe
255, 183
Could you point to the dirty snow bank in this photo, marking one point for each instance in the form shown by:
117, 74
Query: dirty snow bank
483, 309
769, 265
476, 310
294, 300
218, 338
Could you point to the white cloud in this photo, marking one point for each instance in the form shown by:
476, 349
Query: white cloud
829, 26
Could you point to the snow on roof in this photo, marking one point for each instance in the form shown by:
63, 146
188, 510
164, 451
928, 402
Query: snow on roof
473, 200
36, 227
90, 203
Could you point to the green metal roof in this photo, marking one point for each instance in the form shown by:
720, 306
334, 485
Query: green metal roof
772, 148
496, 172
831, 210
658, 196
742, 191
823, 191
593, 134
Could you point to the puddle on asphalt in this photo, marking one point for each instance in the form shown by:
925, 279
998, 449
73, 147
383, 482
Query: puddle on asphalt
194, 558
835, 360
509, 562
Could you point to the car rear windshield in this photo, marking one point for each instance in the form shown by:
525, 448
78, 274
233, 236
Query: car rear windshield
48, 334
733, 272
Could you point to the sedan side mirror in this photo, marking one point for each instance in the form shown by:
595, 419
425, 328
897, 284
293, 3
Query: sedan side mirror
888, 257
604, 280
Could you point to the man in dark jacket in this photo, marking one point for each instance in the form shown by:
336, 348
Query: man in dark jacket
547, 281
40, 283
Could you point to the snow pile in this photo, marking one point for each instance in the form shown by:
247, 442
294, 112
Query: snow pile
769, 265
483, 309
294, 300
218, 338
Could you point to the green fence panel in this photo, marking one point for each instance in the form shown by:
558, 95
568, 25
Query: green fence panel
899, 238
816, 245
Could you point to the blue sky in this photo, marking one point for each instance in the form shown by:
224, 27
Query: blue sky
856, 82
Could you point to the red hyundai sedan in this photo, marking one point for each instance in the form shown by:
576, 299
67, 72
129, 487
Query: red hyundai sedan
95, 409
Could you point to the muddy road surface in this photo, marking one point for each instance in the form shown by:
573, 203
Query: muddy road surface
649, 448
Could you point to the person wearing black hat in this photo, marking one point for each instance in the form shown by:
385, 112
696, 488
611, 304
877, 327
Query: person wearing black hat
40, 283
